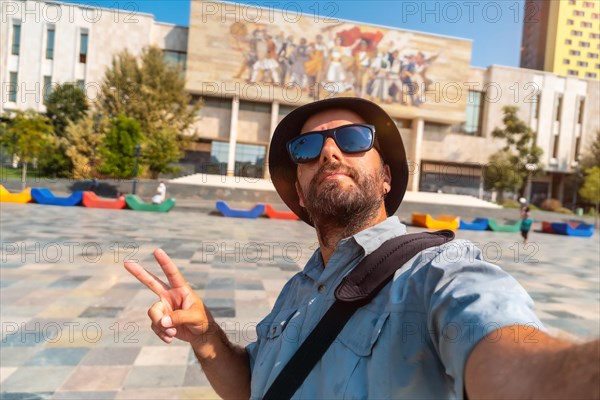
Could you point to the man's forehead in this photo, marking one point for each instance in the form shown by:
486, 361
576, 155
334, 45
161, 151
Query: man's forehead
330, 119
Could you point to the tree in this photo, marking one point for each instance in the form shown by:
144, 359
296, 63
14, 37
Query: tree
159, 153
66, 103
519, 158
83, 141
29, 135
500, 174
118, 148
590, 190
152, 92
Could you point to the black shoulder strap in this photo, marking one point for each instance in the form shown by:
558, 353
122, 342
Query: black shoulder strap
356, 289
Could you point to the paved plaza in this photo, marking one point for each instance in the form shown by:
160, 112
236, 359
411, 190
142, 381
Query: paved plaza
74, 323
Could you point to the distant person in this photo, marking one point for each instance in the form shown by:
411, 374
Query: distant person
526, 222
161, 193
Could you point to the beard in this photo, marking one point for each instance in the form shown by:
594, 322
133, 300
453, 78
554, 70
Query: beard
347, 210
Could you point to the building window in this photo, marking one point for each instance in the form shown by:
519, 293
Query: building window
472, 125
576, 33
591, 75
570, 22
566, 61
249, 159
568, 41
582, 63
597, 66
574, 52
578, 13
176, 58
588, 4
16, 39
558, 109
50, 43
595, 16
580, 109
47, 89
81, 84
83, 47
586, 24
572, 72
592, 55
594, 35
584, 44
12, 87
572, 2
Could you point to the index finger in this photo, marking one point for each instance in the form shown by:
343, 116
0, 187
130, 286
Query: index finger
176, 280
148, 279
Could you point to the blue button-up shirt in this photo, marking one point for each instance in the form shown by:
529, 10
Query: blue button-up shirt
413, 339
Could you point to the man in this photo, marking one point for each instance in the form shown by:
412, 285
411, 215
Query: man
449, 323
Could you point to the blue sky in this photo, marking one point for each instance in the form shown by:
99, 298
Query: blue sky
495, 27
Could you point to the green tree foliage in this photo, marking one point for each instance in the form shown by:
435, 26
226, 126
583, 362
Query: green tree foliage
66, 103
118, 148
501, 175
590, 190
152, 92
161, 151
591, 158
518, 152
29, 135
83, 142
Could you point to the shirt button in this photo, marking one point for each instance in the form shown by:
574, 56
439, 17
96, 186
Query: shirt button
321, 289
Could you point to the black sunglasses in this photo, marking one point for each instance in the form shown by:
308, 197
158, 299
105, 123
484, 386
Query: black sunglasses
353, 138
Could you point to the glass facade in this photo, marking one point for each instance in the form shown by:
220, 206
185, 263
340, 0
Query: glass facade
177, 58
83, 47
472, 125
16, 39
249, 159
50, 43
12, 87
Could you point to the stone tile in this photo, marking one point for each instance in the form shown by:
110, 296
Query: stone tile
111, 356
162, 355
96, 378
92, 395
57, 356
37, 379
109, 312
5, 372
155, 376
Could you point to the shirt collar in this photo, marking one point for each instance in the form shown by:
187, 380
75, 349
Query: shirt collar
368, 240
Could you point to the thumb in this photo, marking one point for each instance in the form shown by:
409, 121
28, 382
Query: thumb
192, 316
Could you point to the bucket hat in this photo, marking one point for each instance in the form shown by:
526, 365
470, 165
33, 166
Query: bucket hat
391, 148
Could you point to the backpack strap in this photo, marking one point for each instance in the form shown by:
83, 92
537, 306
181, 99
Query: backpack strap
357, 289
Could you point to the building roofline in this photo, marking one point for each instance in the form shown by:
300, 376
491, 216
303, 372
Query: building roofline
83, 6
361, 23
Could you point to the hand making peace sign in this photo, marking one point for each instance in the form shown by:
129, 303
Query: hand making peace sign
180, 312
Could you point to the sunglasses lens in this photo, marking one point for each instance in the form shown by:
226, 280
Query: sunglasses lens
354, 139
306, 148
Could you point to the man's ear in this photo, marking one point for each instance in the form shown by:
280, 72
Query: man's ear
387, 179
300, 195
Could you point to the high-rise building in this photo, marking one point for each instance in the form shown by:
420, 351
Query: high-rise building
562, 37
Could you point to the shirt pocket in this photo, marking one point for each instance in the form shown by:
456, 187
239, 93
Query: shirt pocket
362, 331
270, 329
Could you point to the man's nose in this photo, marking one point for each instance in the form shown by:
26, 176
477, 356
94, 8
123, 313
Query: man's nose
330, 152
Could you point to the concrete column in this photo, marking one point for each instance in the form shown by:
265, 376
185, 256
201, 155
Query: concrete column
415, 158
274, 121
233, 131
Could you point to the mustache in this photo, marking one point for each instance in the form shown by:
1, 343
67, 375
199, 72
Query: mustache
334, 168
